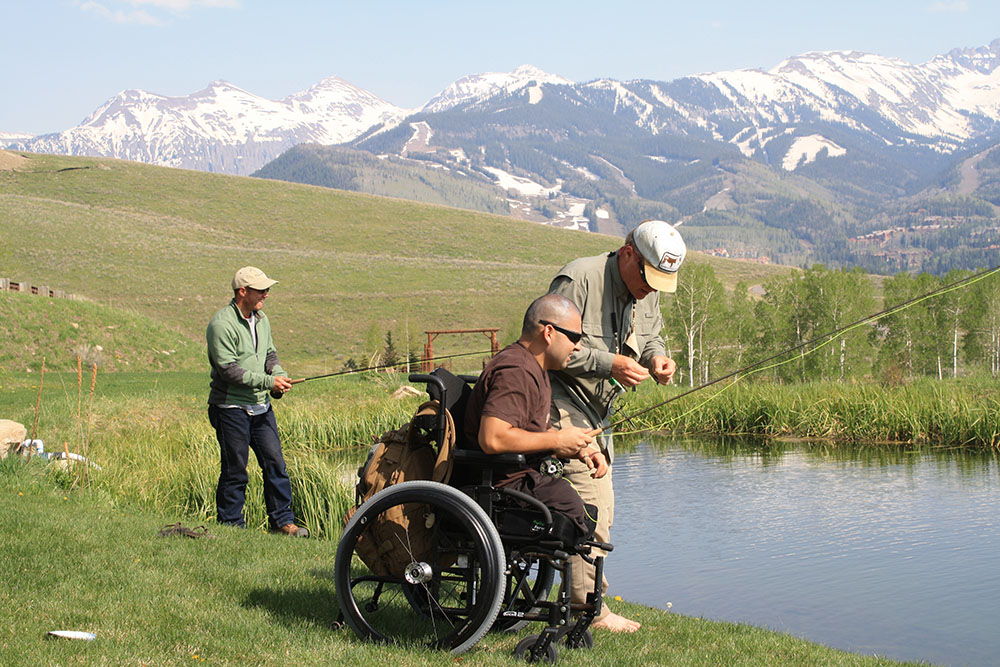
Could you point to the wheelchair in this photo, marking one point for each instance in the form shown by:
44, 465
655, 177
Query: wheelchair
489, 563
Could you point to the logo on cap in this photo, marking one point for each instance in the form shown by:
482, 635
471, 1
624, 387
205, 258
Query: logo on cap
668, 262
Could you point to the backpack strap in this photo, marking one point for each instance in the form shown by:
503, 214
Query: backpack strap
444, 463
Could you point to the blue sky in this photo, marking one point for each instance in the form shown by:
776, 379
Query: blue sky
63, 58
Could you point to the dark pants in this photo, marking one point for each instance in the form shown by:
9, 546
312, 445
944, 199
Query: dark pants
557, 494
238, 433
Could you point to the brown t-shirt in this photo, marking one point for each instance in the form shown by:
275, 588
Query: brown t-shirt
513, 387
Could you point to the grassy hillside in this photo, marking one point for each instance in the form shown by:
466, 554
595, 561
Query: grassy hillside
415, 179
62, 330
164, 243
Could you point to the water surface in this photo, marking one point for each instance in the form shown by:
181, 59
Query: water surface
871, 550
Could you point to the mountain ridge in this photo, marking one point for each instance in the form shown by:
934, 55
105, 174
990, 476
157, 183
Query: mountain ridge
950, 99
797, 163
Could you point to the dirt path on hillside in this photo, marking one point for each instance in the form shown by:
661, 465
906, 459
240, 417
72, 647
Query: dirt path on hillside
11, 161
969, 173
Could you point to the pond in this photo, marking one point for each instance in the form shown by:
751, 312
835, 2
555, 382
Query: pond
876, 550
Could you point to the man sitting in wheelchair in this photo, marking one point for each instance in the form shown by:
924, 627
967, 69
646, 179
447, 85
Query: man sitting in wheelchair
433, 564
508, 411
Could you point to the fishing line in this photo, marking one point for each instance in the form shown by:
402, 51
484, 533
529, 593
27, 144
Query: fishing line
759, 366
350, 371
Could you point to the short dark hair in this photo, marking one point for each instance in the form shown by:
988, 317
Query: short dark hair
552, 307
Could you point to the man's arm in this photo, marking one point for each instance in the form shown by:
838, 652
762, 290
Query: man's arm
499, 437
654, 352
222, 354
654, 346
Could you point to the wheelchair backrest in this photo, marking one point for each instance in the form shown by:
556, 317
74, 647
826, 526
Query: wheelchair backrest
452, 392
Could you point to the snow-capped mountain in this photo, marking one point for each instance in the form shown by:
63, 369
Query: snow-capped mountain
221, 128
10, 137
941, 104
476, 87
791, 115
948, 100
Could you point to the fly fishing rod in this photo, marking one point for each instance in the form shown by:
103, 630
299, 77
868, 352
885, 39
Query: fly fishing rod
825, 338
380, 367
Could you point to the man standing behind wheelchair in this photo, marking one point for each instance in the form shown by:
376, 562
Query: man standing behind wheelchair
617, 294
508, 411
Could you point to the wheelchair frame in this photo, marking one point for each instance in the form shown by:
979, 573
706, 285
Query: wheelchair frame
490, 564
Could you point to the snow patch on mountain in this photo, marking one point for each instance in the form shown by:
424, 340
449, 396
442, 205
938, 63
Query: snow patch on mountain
7, 137
806, 149
478, 87
524, 186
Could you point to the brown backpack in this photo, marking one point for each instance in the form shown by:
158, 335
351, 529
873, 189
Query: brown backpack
402, 455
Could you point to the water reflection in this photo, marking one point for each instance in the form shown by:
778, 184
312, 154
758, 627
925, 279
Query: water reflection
881, 549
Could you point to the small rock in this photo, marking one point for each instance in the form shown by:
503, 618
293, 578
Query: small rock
12, 434
404, 391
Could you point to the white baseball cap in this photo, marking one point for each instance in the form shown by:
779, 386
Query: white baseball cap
251, 276
663, 250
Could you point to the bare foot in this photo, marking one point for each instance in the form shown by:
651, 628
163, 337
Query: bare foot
616, 623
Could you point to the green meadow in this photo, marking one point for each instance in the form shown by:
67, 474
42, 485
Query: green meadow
165, 243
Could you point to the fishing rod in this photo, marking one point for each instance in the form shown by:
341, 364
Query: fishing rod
831, 336
384, 366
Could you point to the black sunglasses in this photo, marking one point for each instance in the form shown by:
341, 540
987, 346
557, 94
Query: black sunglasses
574, 336
642, 267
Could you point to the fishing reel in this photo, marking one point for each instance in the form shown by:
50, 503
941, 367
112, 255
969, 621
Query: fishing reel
550, 466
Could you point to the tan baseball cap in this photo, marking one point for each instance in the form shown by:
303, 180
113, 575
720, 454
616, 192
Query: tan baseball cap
663, 250
251, 276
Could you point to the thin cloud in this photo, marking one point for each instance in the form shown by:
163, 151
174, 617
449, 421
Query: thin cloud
181, 6
118, 16
135, 11
952, 7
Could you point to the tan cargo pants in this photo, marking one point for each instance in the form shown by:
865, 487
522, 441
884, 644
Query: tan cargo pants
598, 492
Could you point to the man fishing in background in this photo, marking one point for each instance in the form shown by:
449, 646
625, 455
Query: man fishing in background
245, 371
619, 301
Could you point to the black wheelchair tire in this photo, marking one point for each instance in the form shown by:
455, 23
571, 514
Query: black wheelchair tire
461, 599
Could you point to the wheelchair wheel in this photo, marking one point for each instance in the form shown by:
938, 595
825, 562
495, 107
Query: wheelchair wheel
586, 639
530, 577
524, 647
450, 592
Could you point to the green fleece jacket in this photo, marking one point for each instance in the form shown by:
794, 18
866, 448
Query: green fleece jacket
241, 375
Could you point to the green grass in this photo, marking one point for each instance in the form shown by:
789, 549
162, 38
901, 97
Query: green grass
62, 330
165, 243
150, 435
949, 413
77, 560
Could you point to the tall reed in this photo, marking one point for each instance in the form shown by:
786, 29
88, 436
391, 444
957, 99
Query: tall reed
953, 413
161, 453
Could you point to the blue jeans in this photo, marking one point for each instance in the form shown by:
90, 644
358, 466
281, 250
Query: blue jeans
238, 433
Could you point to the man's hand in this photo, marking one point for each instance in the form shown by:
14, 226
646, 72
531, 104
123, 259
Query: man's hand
596, 461
663, 369
570, 441
628, 371
281, 384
